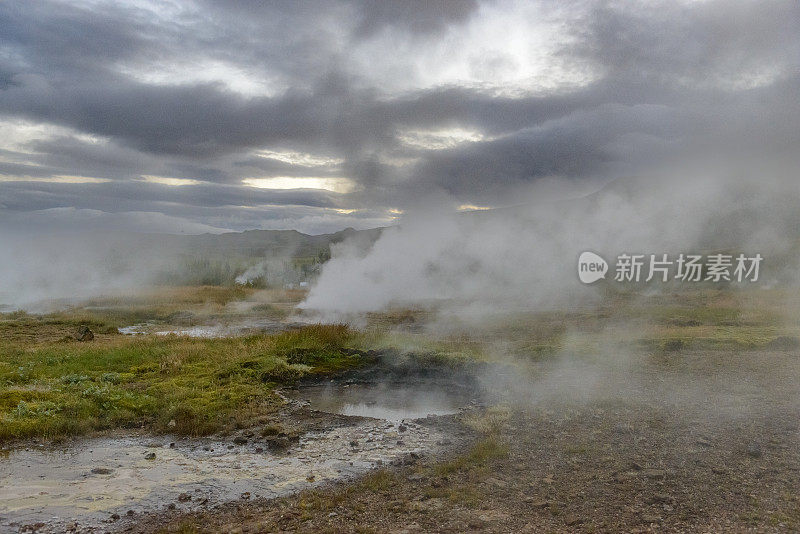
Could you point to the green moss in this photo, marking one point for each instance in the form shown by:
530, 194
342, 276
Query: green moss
182, 385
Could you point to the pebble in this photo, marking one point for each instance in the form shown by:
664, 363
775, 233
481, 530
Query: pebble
654, 474
102, 471
754, 450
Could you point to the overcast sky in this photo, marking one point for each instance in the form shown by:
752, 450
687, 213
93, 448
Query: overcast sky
184, 116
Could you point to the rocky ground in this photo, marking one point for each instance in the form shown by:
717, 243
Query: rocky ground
646, 452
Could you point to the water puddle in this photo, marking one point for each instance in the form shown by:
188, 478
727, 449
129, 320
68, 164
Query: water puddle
244, 328
107, 482
388, 401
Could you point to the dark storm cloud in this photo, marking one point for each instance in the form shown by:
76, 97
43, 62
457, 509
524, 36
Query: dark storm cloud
663, 80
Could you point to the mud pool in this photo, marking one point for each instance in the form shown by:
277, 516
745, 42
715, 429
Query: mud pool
388, 401
103, 484
242, 328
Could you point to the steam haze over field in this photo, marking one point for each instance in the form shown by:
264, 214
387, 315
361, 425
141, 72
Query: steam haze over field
195, 117
358, 266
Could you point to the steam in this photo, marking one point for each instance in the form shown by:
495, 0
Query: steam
525, 257
39, 268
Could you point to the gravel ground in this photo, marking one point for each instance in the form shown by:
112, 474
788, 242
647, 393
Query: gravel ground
694, 442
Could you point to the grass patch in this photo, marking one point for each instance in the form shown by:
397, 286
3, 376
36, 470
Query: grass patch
177, 384
479, 457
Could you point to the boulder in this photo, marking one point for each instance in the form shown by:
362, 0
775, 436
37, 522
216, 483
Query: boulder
83, 333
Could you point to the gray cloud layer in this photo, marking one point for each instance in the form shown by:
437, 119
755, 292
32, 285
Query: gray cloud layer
469, 101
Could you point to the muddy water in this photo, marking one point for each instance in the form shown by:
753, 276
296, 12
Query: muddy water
241, 328
90, 481
388, 401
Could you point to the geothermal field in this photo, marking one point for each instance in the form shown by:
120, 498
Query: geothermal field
394, 266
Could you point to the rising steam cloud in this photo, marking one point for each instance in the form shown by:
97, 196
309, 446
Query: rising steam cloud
525, 257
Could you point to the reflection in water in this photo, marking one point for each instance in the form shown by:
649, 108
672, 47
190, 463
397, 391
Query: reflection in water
388, 401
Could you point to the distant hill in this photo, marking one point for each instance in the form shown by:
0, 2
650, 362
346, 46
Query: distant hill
263, 257
259, 243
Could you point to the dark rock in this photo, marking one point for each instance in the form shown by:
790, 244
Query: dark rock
240, 440
114, 517
621, 428
184, 497
660, 498
150, 456
680, 321
654, 474
281, 442
573, 520
102, 471
402, 428
84, 334
278, 443
754, 450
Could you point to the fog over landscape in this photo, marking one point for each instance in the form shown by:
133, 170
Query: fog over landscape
360, 266
196, 117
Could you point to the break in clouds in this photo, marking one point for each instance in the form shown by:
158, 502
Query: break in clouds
194, 117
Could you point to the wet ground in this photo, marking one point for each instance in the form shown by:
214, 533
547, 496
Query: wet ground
240, 328
107, 483
384, 400
697, 442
